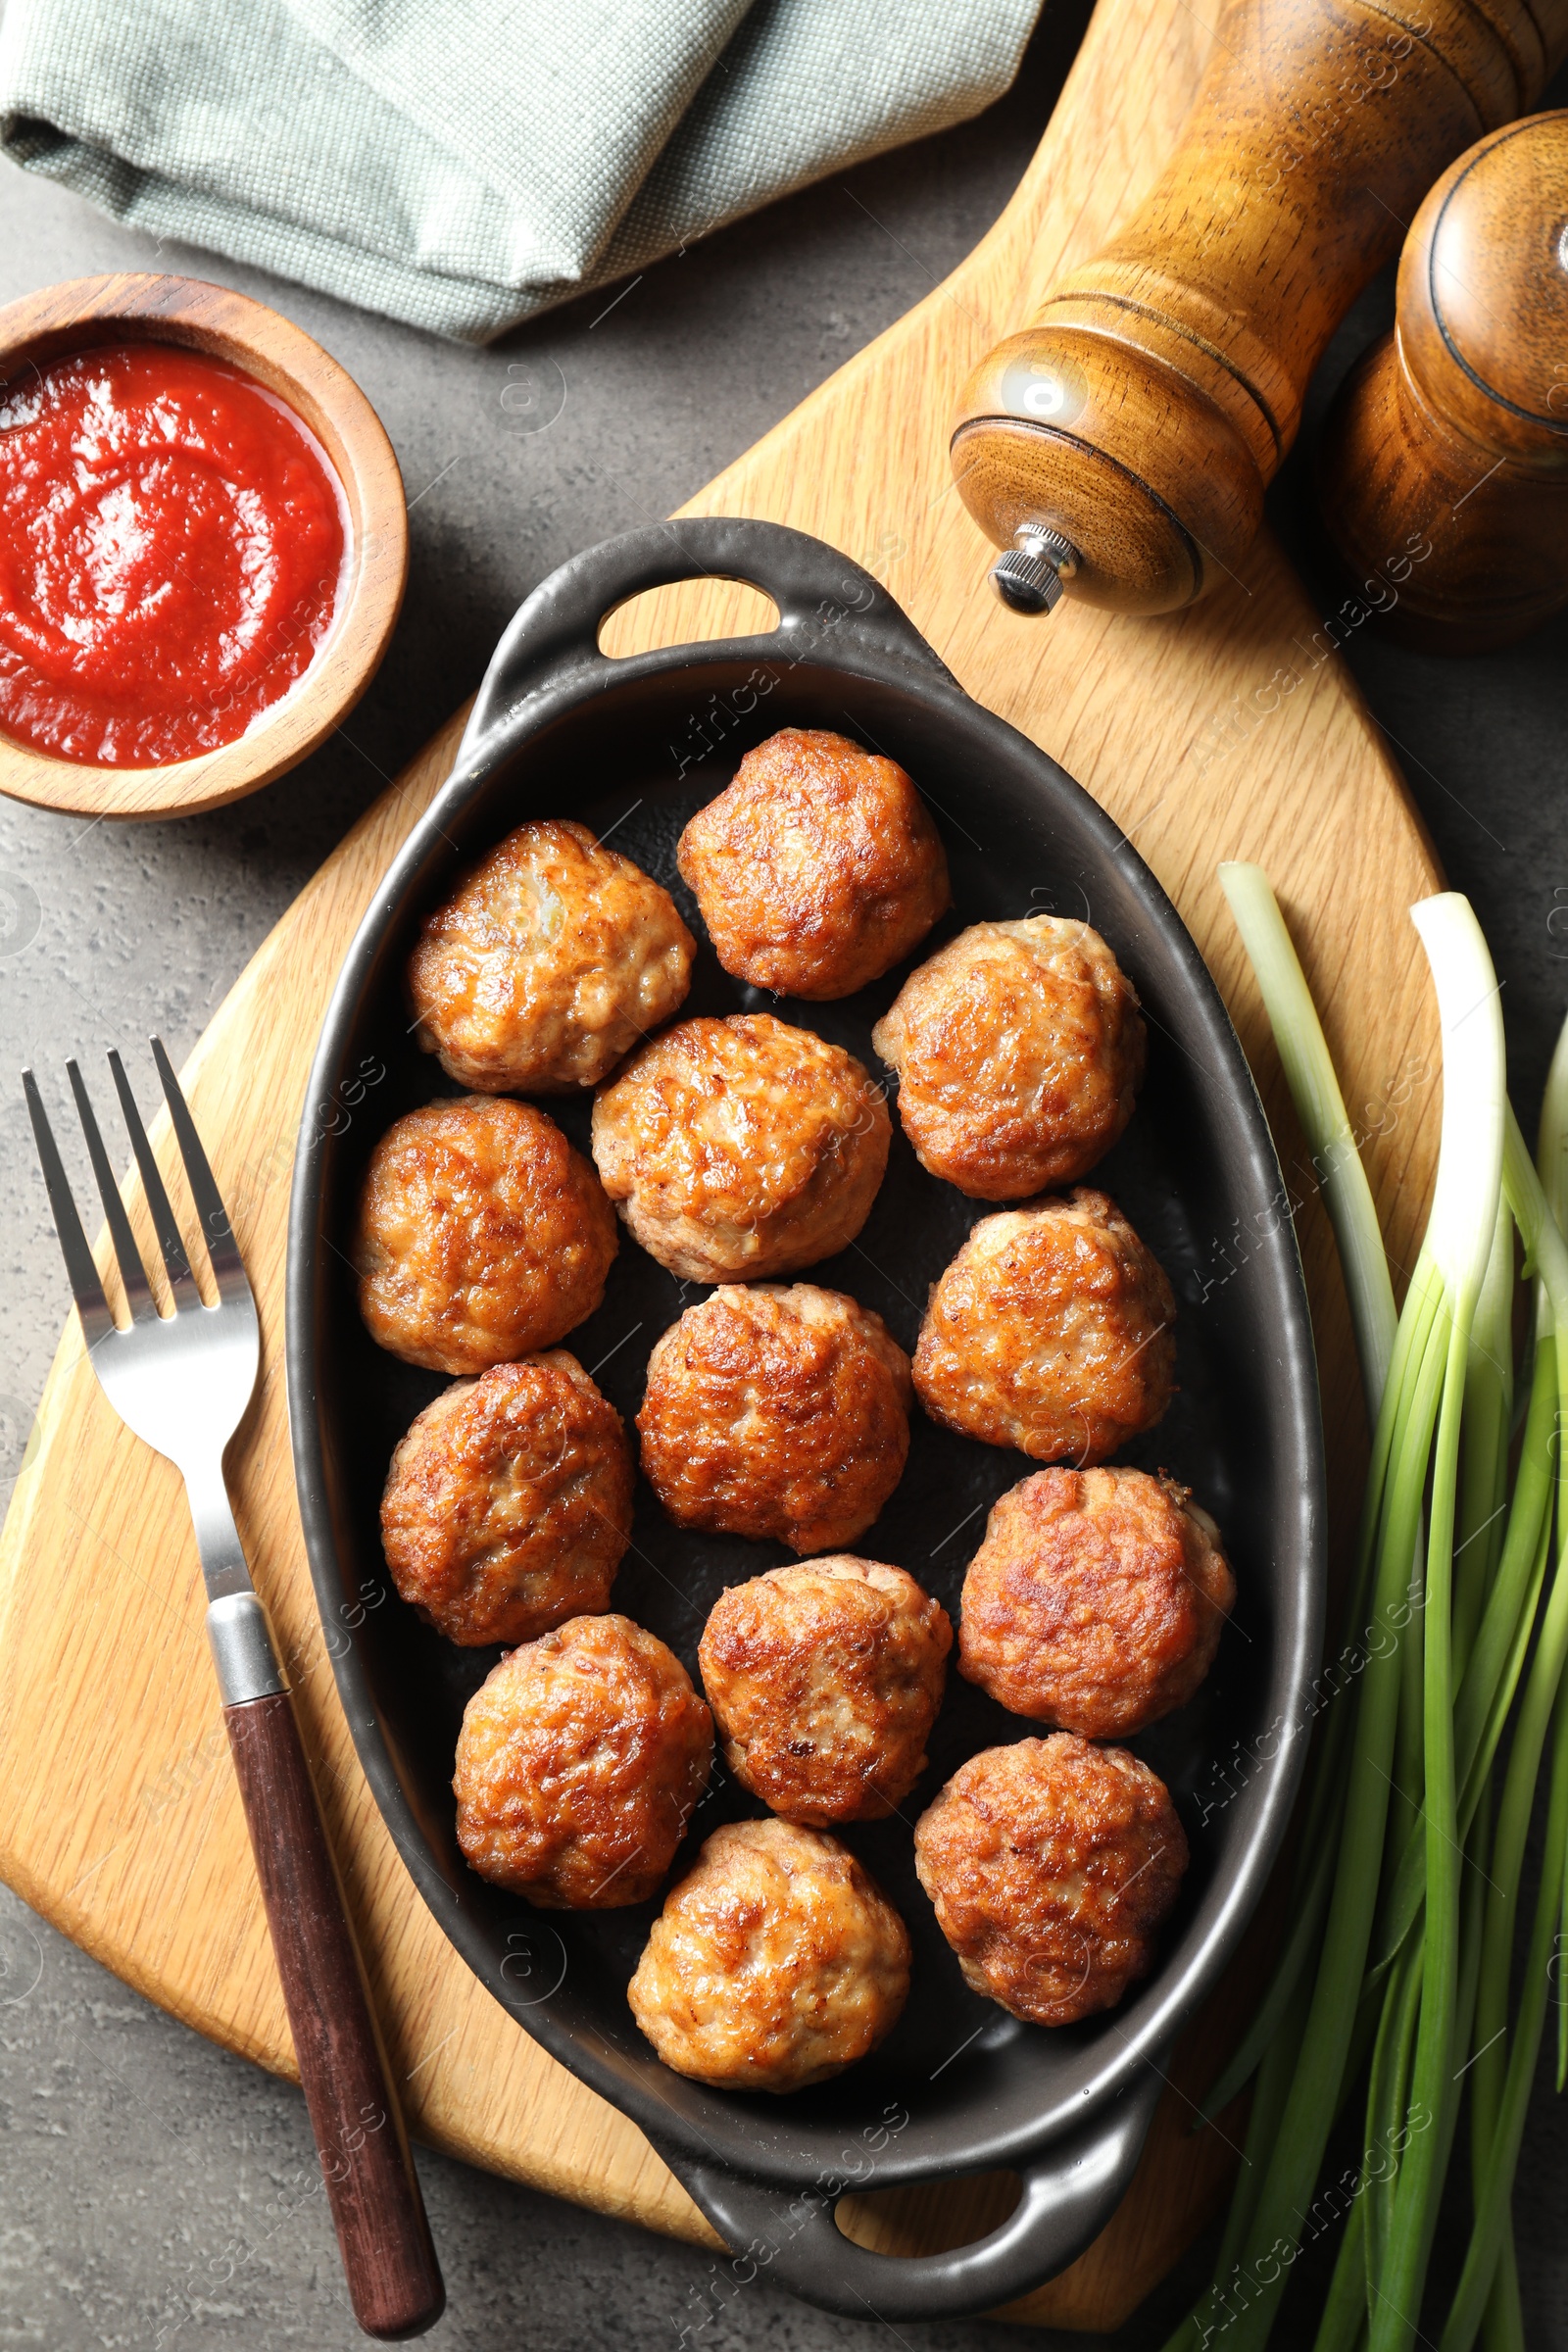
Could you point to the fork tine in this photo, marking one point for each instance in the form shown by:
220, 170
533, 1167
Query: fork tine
132, 1273
176, 1263
86, 1289
221, 1248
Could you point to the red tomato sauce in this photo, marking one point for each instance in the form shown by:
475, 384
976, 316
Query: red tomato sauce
172, 543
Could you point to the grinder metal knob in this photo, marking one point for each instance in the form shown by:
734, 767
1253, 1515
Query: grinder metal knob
1028, 577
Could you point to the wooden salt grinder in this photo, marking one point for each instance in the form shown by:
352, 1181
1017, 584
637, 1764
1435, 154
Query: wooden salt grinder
1442, 471
1121, 444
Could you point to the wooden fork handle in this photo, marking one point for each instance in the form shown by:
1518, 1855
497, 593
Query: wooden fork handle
394, 2279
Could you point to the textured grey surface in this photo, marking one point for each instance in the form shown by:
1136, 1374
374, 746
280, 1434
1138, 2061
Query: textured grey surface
154, 2190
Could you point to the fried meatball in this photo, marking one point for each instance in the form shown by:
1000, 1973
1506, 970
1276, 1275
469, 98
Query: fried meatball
481, 1235
1019, 1048
818, 868
1051, 1331
507, 1505
553, 957
1095, 1601
741, 1147
824, 1680
1050, 1866
776, 1962
779, 1412
578, 1764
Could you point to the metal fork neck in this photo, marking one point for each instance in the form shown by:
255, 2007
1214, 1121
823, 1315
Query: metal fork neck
244, 1655
223, 1567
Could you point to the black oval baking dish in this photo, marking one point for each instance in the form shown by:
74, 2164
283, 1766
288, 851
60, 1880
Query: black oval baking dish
632, 747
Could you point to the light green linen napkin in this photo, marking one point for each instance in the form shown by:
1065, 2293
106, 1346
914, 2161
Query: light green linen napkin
463, 164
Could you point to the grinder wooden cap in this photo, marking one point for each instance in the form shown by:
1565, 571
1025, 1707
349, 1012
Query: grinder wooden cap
1483, 299
1443, 471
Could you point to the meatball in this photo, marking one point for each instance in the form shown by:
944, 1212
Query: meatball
824, 1680
508, 1506
776, 1962
481, 1235
1019, 1048
578, 1764
741, 1147
1095, 1601
818, 868
1051, 1331
1050, 1865
551, 961
776, 1412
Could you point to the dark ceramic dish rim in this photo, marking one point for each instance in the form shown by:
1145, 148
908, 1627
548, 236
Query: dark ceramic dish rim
1075, 2165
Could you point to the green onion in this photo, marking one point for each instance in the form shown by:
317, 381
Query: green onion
1396, 1975
1320, 1106
1459, 1234
1551, 1157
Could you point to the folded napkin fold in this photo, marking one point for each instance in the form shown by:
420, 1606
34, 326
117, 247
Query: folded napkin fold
463, 166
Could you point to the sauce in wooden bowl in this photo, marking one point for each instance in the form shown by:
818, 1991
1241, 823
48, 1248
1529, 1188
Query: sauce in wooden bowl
173, 545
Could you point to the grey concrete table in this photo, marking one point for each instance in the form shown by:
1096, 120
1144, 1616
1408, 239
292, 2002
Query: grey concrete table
154, 2190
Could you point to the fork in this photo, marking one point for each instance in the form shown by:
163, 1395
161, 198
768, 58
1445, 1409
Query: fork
182, 1382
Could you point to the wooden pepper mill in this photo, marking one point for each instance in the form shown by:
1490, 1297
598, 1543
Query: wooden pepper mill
1442, 471
1120, 446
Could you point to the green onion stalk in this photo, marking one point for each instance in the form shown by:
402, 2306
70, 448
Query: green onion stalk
1394, 1985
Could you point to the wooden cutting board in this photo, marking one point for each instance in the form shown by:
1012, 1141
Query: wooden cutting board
1235, 731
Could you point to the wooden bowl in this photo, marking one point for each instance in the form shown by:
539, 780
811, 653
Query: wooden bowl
91, 311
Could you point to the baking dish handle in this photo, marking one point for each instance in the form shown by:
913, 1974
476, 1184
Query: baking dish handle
828, 606
1069, 2192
